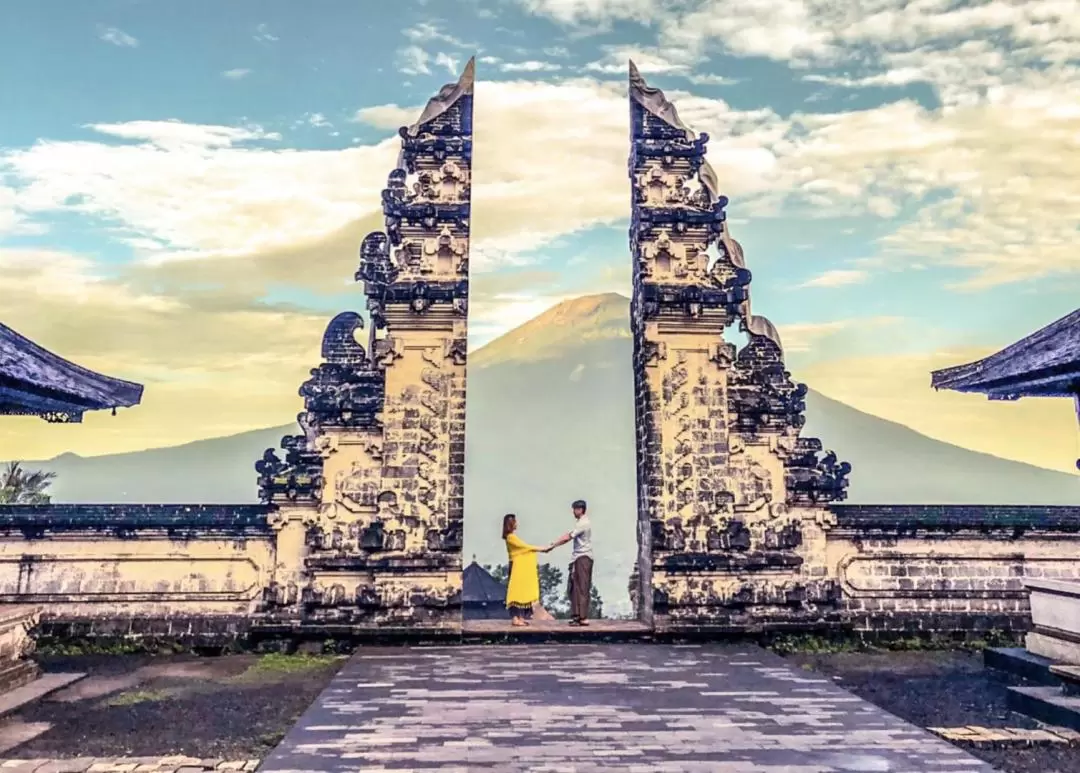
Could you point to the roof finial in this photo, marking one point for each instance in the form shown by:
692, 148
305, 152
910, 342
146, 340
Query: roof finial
468, 76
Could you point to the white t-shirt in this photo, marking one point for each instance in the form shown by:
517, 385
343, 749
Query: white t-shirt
582, 536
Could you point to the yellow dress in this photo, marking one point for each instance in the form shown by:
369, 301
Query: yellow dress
523, 590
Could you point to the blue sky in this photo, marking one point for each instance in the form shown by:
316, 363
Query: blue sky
903, 180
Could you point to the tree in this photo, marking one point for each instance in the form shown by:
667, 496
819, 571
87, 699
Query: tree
553, 596
24, 487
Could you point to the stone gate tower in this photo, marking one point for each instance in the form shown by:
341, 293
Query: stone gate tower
370, 497
730, 498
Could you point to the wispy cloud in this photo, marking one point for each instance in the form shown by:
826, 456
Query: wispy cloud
263, 35
413, 60
837, 278
531, 65
236, 74
117, 37
429, 32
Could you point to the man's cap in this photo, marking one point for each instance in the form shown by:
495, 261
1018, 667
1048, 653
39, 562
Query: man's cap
579, 504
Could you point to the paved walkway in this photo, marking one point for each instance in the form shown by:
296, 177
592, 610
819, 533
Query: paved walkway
634, 707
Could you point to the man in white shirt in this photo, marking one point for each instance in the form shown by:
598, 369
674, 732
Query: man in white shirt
579, 584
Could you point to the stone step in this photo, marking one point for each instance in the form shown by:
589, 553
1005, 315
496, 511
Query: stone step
13, 700
1046, 704
1019, 662
1069, 677
17, 673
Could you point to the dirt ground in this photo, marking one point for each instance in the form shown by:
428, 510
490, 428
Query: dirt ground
942, 689
229, 707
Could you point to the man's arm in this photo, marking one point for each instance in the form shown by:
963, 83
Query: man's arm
563, 539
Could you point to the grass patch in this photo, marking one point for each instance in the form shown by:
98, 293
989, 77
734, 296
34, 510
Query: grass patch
135, 697
276, 664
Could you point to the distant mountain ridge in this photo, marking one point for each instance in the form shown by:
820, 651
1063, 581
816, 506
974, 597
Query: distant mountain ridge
551, 419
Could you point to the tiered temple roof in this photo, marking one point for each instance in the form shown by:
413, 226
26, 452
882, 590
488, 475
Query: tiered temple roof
36, 382
1044, 364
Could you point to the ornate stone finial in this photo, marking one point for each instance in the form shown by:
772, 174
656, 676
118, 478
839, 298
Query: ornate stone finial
346, 390
445, 99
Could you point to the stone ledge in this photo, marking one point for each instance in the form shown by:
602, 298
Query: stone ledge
908, 519
35, 521
173, 764
1007, 736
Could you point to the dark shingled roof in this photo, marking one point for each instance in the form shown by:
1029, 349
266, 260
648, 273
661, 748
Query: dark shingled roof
36, 382
478, 586
1044, 364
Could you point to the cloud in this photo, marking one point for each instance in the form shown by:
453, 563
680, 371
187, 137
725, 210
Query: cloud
530, 65
263, 35
197, 189
413, 60
447, 62
984, 198
837, 278
236, 74
958, 49
429, 32
600, 12
802, 337
117, 37
208, 370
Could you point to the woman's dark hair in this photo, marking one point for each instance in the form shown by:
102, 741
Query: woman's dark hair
508, 524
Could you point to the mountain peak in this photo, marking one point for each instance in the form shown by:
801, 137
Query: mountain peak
577, 310
575, 321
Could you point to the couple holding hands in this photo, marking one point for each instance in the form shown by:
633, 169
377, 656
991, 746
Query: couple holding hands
523, 588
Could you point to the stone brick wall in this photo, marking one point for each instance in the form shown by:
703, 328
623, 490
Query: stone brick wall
945, 569
182, 571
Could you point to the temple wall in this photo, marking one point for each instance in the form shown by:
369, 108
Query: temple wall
209, 574
153, 570
947, 569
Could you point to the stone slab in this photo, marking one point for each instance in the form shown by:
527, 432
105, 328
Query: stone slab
14, 734
1046, 704
15, 699
1055, 604
1019, 662
994, 737
539, 631
583, 707
1053, 648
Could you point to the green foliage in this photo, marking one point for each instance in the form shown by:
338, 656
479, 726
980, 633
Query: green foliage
553, 596
61, 647
24, 487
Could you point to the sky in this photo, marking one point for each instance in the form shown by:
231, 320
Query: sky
184, 186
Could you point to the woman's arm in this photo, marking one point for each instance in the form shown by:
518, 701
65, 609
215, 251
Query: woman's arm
517, 542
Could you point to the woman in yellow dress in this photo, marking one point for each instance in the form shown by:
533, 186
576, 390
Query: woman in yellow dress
523, 589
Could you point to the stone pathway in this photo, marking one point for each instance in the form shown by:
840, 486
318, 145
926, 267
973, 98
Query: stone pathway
174, 764
569, 708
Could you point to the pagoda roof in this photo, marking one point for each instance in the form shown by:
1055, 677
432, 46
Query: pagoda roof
36, 382
478, 586
1044, 364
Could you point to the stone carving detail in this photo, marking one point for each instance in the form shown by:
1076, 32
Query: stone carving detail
725, 482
